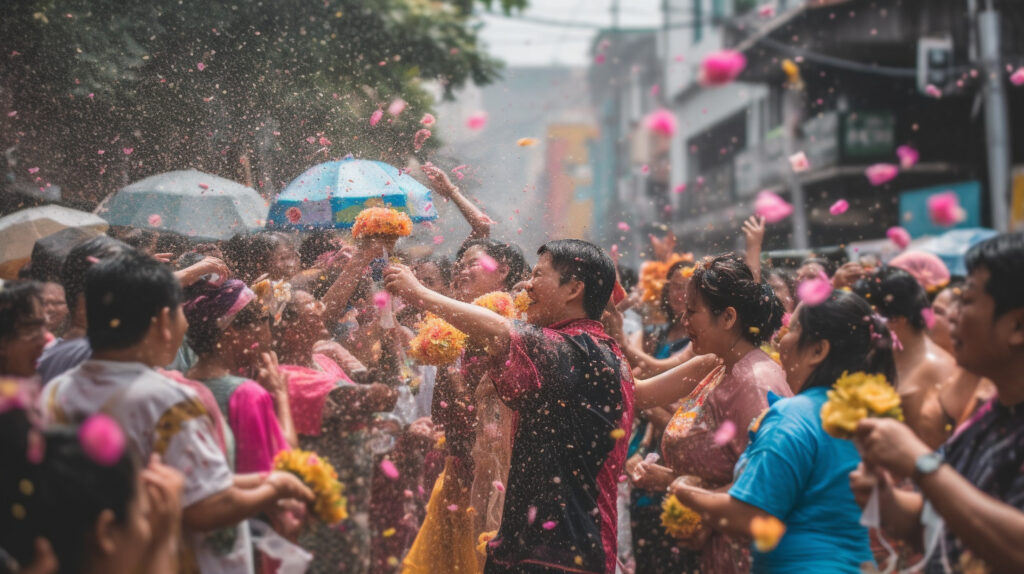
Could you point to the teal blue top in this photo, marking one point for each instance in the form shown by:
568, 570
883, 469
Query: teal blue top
793, 470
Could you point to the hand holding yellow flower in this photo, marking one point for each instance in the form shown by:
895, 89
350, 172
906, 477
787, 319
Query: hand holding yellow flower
856, 396
318, 474
381, 221
679, 520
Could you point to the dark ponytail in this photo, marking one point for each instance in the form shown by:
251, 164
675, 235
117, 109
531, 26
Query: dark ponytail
726, 281
859, 339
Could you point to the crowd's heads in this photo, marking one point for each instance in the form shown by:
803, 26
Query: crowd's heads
673, 293
80, 259
131, 298
434, 272
143, 240
92, 515
22, 328
473, 276
724, 300
265, 253
813, 267
840, 334
226, 319
945, 306
784, 285
988, 330
896, 294
573, 260
317, 243
302, 323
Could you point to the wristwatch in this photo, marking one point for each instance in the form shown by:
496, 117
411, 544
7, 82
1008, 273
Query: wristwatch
928, 463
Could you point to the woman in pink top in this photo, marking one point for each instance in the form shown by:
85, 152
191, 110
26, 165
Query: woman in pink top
729, 315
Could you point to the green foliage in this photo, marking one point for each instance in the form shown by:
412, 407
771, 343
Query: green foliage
284, 84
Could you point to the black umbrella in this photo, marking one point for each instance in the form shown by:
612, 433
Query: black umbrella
49, 253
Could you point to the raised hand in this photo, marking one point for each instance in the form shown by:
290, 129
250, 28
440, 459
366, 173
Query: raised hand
270, 376
439, 181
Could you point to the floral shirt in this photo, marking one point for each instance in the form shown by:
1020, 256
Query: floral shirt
988, 451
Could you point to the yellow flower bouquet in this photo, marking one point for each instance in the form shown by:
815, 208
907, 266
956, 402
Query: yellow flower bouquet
856, 396
318, 474
523, 301
381, 221
679, 520
437, 342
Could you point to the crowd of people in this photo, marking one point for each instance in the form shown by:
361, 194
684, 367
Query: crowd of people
150, 384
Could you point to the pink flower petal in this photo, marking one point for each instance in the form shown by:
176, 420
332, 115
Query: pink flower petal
420, 137
814, 291
33, 170
899, 236
722, 67
389, 470
201, 66
453, 507
929, 317
772, 207
128, 150
766, 11
839, 207
102, 439
531, 514
477, 121
944, 209
932, 91
487, 263
599, 59
881, 173
549, 525
908, 156
155, 220
725, 433
623, 226
381, 299
680, 188
438, 239
428, 119
376, 116
397, 107
662, 122
12, 114
101, 152
1017, 78
799, 162
36, 447
498, 486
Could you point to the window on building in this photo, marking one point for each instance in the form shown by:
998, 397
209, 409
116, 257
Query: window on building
717, 10
698, 21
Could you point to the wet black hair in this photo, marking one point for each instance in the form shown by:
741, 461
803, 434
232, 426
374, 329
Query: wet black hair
666, 309
508, 254
315, 244
785, 276
628, 277
123, 294
61, 497
18, 301
858, 339
726, 281
895, 293
249, 253
81, 258
173, 243
443, 264
1003, 257
587, 263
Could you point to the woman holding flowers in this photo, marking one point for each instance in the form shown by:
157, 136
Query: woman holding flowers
729, 315
792, 477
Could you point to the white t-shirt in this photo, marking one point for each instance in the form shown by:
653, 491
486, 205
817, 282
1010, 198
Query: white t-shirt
158, 415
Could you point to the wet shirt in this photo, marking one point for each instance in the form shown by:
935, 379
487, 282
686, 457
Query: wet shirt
988, 451
572, 392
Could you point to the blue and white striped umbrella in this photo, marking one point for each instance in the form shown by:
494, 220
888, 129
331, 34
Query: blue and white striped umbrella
332, 194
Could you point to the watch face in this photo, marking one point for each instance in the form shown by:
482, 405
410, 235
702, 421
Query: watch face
928, 463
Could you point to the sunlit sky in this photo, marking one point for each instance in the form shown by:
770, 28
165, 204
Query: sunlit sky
520, 42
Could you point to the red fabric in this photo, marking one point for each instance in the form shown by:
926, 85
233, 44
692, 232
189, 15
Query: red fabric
308, 390
618, 293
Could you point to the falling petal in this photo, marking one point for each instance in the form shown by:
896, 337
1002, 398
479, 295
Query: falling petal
549, 525
814, 291
908, 156
438, 239
155, 220
680, 188
725, 433
766, 532
618, 433
531, 514
487, 263
102, 439
839, 207
428, 120
389, 470
128, 150
944, 209
766, 11
899, 236
376, 116
881, 173
527, 142
799, 162
201, 66
929, 317
662, 122
932, 91
722, 67
599, 59
623, 226
498, 486
33, 170
1017, 78
420, 137
772, 207
477, 121
397, 107
453, 507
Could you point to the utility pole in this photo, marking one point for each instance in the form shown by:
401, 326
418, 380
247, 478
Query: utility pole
996, 119
792, 104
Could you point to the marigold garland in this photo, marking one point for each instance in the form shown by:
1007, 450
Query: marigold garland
436, 342
381, 221
318, 474
679, 520
856, 396
523, 301
499, 302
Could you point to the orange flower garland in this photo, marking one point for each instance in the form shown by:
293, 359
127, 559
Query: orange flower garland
381, 221
499, 302
654, 275
437, 342
318, 474
523, 301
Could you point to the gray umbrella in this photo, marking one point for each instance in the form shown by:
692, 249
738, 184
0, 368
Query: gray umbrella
192, 203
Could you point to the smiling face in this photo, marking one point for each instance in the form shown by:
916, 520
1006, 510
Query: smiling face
945, 306
709, 333
549, 295
983, 342
20, 351
676, 294
796, 361
475, 276
284, 262
304, 324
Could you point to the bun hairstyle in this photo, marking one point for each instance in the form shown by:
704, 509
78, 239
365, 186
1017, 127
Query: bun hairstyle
859, 339
60, 498
508, 254
895, 293
726, 281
